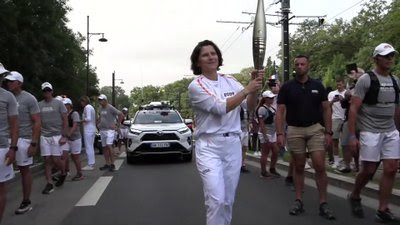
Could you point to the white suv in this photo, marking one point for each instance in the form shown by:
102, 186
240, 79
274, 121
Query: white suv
156, 131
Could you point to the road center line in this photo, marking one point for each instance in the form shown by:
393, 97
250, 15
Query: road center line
118, 163
93, 195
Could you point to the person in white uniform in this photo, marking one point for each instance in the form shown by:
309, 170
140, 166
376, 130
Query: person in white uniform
29, 133
216, 101
89, 131
8, 138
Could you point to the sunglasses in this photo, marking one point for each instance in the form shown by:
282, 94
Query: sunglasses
47, 90
390, 55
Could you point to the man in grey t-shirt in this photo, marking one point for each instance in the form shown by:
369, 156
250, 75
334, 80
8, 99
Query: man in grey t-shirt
375, 113
54, 127
29, 132
8, 138
107, 125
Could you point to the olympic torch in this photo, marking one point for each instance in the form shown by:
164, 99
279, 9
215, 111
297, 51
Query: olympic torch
259, 37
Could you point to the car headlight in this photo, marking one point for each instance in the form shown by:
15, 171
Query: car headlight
183, 130
135, 131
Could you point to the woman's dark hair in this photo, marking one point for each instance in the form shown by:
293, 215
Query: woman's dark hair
85, 99
196, 53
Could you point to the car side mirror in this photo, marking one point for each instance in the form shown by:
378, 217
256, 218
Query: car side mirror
127, 123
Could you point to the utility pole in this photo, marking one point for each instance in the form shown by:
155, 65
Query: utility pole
285, 38
113, 89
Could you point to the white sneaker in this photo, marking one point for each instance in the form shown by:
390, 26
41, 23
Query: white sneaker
307, 166
88, 167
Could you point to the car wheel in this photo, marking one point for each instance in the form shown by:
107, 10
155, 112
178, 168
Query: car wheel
187, 158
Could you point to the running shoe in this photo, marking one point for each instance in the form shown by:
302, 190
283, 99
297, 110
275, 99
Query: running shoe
243, 169
356, 207
385, 216
325, 212
105, 167
111, 168
88, 167
24, 207
77, 177
265, 174
297, 208
273, 172
48, 189
343, 169
60, 181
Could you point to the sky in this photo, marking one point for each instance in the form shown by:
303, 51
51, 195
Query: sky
150, 41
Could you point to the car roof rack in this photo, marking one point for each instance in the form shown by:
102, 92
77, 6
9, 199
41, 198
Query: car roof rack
163, 105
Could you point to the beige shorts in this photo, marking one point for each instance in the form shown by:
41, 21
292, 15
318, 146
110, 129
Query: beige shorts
337, 125
311, 138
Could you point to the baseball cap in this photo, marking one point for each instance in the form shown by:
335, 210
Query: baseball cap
268, 94
47, 85
14, 75
102, 97
2, 69
273, 77
383, 49
67, 101
124, 109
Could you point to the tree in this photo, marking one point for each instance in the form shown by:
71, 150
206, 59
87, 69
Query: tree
36, 42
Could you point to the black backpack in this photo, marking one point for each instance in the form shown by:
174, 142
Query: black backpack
371, 97
70, 121
271, 115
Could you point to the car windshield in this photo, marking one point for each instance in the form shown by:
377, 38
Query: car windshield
150, 117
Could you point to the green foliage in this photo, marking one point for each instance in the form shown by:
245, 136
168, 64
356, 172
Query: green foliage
333, 46
36, 42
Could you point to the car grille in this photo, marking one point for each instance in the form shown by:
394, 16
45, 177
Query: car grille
163, 137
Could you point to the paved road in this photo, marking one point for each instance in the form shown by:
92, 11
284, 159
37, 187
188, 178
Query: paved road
168, 192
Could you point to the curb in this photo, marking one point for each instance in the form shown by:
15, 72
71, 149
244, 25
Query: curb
347, 183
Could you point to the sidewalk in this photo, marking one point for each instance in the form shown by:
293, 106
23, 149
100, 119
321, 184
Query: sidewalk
341, 181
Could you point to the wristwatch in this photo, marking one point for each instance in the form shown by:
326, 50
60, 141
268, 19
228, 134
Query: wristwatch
15, 148
329, 132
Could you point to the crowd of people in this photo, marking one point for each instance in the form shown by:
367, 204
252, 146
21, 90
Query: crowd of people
53, 125
362, 116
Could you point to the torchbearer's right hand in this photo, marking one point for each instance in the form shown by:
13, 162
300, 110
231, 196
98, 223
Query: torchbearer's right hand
256, 82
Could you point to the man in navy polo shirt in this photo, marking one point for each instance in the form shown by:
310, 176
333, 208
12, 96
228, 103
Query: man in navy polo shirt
304, 101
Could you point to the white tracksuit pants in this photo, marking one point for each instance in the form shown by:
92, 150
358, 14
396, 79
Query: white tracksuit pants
89, 141
218, 160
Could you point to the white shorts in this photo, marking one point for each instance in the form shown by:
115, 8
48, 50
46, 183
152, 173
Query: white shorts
244, 139
124, 133
21, 156
271, 138
74, 147
377, 146
50, 146
6, 172
107, 137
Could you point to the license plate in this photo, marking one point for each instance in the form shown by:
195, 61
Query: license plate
159, 145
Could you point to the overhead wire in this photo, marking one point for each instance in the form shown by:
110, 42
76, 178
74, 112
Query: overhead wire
356, 4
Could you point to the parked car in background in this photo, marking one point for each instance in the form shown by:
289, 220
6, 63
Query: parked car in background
158, 129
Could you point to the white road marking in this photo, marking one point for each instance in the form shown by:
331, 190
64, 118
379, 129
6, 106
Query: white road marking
122, 155
93, 195
118, 163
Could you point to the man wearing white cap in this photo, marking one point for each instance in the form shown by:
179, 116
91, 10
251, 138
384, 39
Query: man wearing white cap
108, 125
374, 104
122, 137
267, 134
29, 132
74, 143
89, 131
53, 134
8, 138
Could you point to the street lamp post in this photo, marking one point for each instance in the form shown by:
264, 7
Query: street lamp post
113, 88
102, 39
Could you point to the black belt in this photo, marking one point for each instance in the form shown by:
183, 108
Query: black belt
302, 124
